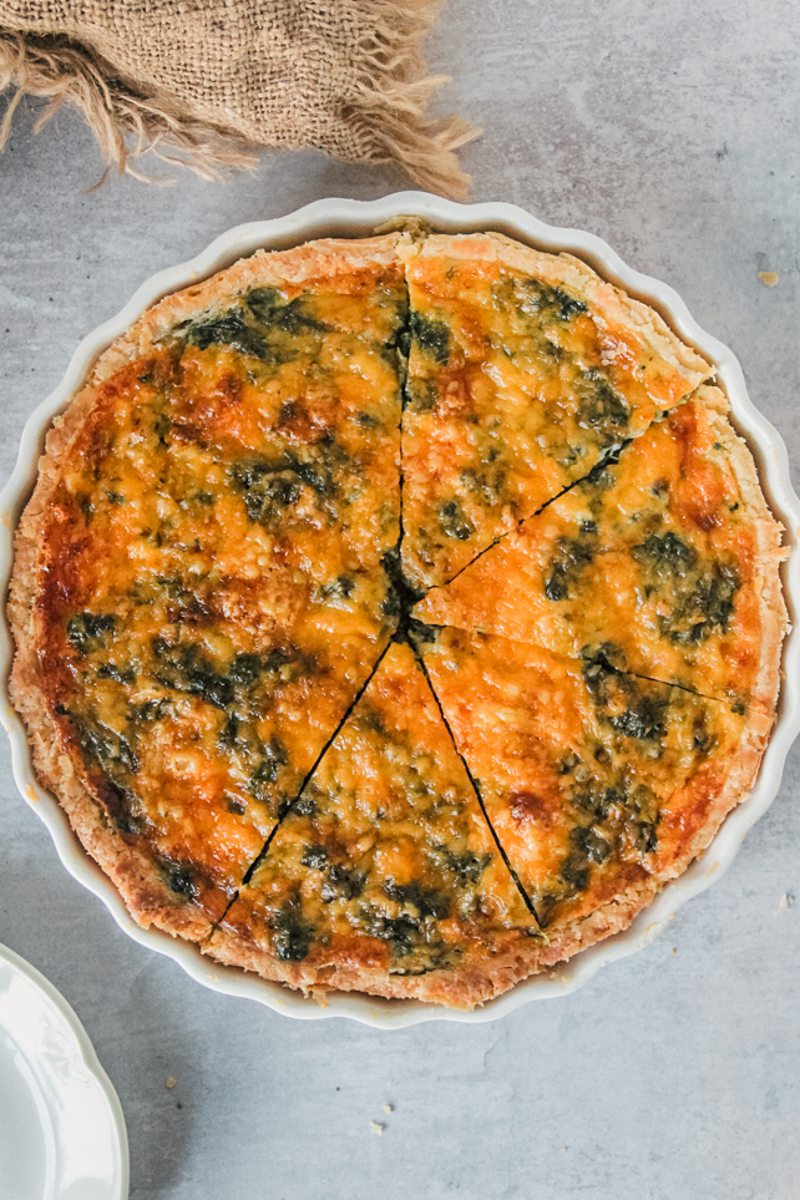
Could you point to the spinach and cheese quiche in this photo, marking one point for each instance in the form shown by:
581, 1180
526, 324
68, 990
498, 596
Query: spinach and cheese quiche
397, 614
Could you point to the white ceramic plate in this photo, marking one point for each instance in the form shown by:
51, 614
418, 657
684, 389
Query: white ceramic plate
62, 1133
357, 218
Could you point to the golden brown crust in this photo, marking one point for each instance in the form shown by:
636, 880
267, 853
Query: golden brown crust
463, 988
770, 552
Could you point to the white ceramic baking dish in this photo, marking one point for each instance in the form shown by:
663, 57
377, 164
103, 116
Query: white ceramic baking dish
357, 218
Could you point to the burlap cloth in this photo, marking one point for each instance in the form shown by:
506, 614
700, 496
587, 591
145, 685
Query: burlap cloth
204, 81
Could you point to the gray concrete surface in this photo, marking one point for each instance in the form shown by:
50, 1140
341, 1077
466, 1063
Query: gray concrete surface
672, 131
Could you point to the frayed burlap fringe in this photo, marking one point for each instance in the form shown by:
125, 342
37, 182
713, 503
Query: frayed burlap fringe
368, 49
125, 125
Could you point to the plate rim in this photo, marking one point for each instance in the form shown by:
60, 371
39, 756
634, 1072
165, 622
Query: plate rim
337, 216
85, 1053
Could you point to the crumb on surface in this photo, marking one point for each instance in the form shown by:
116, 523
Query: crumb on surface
787, 901
377, 1127
388, 1108
171, 1081
673, 949
769, 278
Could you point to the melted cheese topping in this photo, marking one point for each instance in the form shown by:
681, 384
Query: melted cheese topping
653, 562
385, 861
515, 389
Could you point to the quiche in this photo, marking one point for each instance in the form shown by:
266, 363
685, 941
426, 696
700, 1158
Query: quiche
397, 614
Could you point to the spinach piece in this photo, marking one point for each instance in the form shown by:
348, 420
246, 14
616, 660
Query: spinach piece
666, 554
421, 395
432, 337
180, 878
229, 329
488, 481
590, 844
570, 558
646, 836
341, 883
467, 867
600, 407
270, 307
643, 715
151, 710
292, 932
341, 588
118, 674
273, 758
396, 347
401, 932
115, 761
645, 721
708, 607
270, 489
703, 594
454, 522
595, 798
552, 302
424, 901
109, 749
184, 668
575, 873
315, 857
609, 816
87, 631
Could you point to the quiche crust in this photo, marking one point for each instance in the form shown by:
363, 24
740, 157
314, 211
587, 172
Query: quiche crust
204, 916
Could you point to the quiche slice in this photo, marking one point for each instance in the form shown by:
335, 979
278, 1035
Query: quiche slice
525, 369
600, 786
665, 562
384, 875
201, 584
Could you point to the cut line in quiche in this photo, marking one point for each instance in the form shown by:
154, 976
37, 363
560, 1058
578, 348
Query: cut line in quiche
384, 873
663, 562
262, 729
